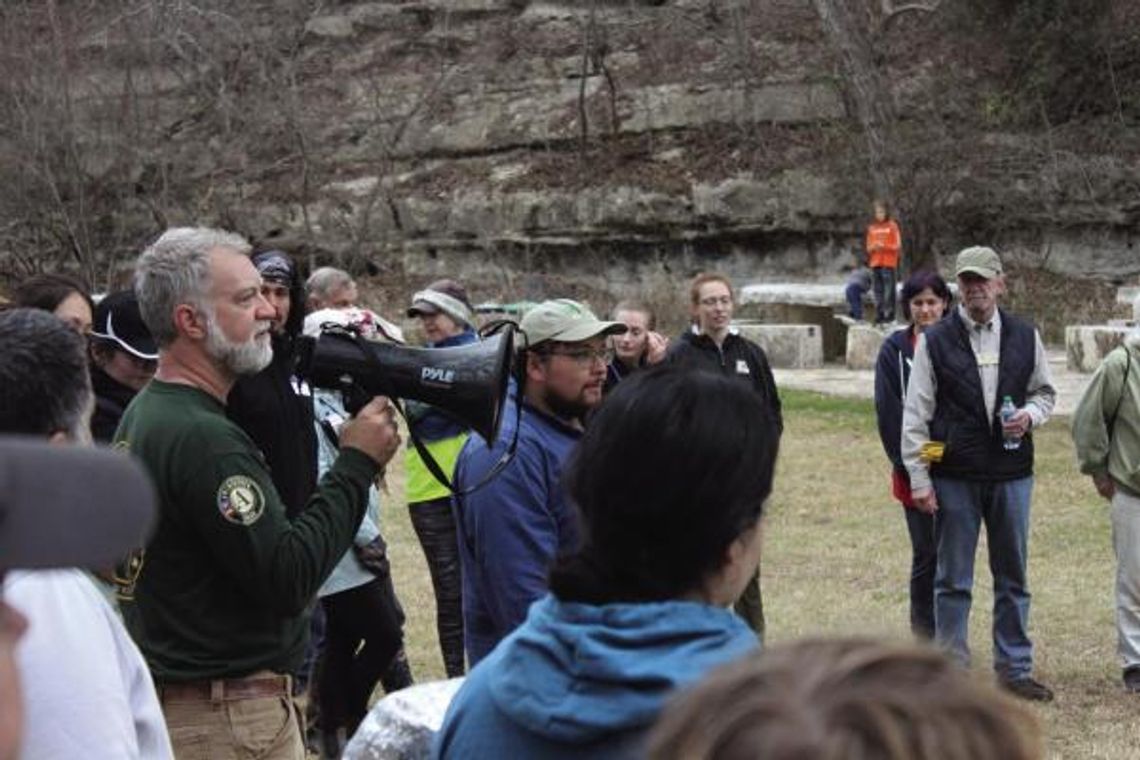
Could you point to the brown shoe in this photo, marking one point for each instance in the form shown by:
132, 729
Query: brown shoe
1028, 688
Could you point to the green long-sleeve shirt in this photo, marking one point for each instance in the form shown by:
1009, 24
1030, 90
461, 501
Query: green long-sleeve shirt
1105, 395
222, 588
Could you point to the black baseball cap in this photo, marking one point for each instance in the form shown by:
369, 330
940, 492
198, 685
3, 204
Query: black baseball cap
117, 319
70, 506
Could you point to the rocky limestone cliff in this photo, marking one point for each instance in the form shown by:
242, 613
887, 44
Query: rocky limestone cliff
532, 148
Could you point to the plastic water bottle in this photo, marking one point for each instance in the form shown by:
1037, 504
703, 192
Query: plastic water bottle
1010, 441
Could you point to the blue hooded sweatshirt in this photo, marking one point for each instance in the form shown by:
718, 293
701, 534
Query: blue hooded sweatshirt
579, 680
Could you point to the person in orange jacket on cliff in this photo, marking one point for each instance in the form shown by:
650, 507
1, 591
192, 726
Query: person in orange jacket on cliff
884, 244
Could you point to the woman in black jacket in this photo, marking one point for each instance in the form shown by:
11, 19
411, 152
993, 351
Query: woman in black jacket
925, 300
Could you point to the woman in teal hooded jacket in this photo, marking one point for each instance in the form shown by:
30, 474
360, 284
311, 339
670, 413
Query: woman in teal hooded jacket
670, 482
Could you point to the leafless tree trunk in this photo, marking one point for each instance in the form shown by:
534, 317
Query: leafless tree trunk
583, 74
846, 25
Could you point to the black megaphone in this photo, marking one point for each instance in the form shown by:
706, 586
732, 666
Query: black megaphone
468, 383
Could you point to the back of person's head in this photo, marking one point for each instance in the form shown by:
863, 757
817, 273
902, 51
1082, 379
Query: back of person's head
175, 269
43, 372
674, 466
845, 698
47, 291
919, 281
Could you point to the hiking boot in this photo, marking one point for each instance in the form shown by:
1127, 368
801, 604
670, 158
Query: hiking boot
1132, 680
1030, 689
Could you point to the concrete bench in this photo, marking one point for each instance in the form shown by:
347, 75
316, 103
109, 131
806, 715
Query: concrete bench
863, 345
802, 303
823, 294
787, 346
814, 303
1087, 345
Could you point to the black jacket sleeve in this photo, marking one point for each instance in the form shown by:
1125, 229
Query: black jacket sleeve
766, 383
889, 401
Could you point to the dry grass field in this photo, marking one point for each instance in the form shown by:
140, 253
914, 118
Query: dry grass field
836, 562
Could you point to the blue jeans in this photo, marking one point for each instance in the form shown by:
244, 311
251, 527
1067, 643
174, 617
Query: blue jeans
884, 293
963, 506
858, 283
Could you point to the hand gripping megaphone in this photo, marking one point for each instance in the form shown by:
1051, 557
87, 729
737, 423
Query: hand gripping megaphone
468, 383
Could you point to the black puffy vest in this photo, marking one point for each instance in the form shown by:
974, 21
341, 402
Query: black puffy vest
973, 447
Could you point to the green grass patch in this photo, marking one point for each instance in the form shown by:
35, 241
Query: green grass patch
836, 562
859, 410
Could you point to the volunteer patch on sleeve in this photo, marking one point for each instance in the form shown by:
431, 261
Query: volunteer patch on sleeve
240, 500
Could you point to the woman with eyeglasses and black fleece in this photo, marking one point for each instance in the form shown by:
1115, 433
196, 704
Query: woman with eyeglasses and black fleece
712, 343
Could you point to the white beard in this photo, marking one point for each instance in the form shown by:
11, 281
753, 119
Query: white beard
247, 358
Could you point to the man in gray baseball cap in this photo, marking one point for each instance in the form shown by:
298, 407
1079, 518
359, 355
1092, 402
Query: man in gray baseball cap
511, 529
971, 462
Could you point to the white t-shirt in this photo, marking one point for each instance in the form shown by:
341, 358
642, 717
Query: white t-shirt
87, 690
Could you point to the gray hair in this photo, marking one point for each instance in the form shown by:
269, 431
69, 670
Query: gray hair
325, 280
44, 375
175, 270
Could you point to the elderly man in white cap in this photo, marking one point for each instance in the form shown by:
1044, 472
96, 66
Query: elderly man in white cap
1106, 433
971, 462
513, 527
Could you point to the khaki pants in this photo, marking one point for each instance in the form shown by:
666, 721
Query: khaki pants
262, 728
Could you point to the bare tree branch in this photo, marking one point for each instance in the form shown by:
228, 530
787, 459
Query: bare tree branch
890, 11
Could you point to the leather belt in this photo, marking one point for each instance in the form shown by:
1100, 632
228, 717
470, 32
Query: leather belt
257, 686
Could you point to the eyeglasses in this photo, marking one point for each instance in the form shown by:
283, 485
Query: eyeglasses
716, 300
583, 356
